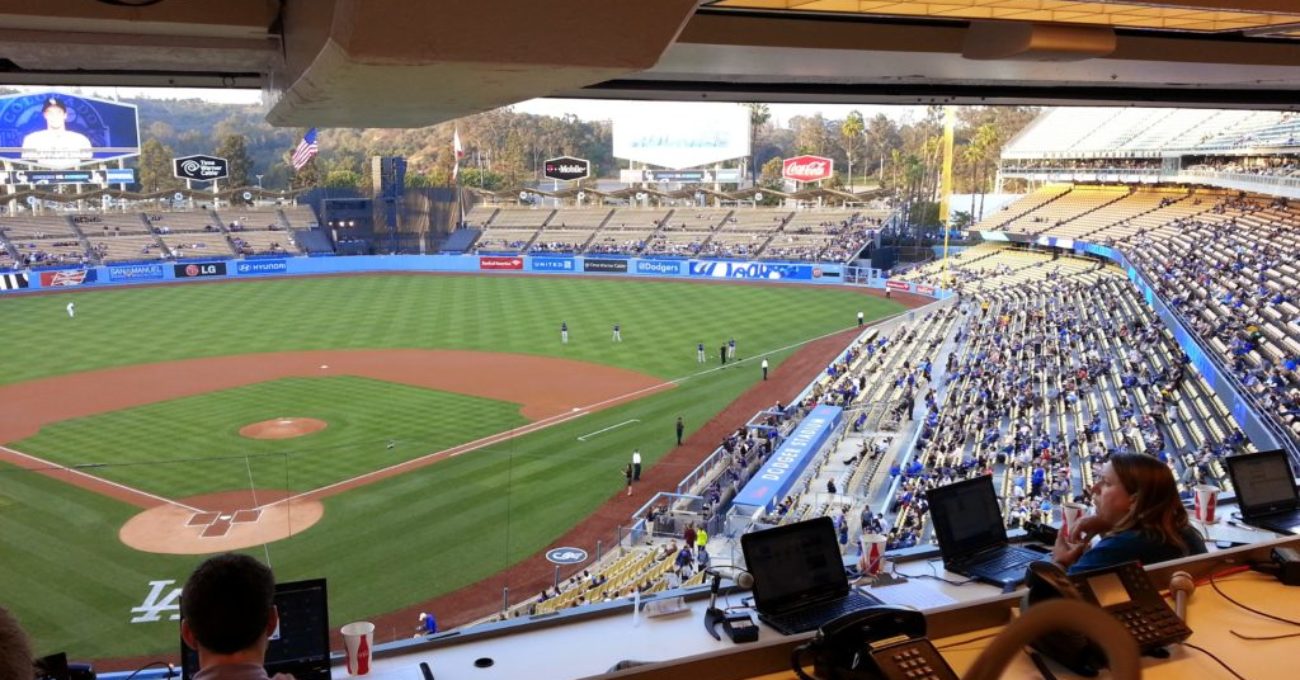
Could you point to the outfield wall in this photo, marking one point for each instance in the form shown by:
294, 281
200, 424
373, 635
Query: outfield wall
158, 272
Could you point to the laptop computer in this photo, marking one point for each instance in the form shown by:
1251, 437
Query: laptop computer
301, 645
1266, 491
972, 537
799, 579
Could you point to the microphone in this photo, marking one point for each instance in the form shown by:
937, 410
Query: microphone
1181, 586
713, 615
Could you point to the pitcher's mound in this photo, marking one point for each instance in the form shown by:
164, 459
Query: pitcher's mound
282, 428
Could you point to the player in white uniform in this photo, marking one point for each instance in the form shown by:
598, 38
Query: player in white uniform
72, 310
56, 146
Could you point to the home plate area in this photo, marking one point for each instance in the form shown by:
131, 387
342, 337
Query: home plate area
218, 523
231, 520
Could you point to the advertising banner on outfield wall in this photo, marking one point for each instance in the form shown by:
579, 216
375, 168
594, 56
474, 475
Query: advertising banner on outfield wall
15, 281
607, 266
136, 272
755, 270
197, 269
257, 267
501, 263
901, 286
67, 278
552, 264
659, 267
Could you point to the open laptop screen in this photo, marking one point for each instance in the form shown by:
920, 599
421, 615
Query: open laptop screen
1263, 482
794, 564
301, 645
966, 517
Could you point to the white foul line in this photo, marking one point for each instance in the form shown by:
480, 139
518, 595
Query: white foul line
583, 438
100, 480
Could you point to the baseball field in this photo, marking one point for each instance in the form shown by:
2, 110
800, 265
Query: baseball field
402, 436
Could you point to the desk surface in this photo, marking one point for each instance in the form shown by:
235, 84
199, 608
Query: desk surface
592, 646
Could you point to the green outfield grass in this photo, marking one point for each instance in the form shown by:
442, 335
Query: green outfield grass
186, 447
404, 539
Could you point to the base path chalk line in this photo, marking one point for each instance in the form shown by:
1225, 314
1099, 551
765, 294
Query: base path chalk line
584, 437
575, 412
46, 466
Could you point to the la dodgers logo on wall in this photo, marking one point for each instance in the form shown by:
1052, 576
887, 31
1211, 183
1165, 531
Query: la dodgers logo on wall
566, 555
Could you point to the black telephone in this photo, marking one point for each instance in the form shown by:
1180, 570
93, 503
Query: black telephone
1124, 591
886, 642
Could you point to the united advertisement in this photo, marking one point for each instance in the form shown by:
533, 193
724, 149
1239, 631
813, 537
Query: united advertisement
552, 264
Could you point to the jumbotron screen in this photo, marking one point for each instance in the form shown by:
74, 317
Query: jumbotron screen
59, 131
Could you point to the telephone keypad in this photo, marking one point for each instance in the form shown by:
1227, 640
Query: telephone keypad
913, 660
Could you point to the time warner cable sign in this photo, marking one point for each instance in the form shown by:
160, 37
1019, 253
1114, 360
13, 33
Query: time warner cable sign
201, 168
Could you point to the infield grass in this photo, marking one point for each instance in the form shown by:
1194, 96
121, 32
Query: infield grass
404, 539
185, 447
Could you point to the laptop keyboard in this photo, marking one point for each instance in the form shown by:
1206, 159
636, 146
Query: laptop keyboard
1009, 559
811, 618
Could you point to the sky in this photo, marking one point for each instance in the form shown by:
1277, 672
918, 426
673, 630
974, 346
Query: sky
584, 109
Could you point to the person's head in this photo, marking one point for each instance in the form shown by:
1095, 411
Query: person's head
15, 649
56, 114
228, 606
1137, 491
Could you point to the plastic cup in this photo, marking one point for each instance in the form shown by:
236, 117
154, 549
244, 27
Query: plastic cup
1071, 513
358, 638
873, 554
1206, 498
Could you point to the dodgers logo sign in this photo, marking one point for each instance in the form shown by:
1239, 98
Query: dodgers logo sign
658, 267
566, 555
751, 270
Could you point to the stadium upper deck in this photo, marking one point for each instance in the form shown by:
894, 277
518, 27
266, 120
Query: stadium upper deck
833, 235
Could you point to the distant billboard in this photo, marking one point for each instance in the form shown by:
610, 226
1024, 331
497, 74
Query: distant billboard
807, 168
200, 167
60, 131
566, 168
681, 135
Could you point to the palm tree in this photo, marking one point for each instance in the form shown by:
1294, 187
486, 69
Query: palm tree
850, 137
759, 115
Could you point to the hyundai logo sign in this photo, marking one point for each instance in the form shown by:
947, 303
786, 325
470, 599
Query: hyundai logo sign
566, 555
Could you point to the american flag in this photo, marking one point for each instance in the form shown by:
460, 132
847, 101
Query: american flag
458, 151
306, 150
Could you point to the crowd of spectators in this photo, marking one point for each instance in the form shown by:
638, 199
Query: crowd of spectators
1224, 278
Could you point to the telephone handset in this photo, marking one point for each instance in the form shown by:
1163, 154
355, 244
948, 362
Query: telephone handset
1124, 591
886, 642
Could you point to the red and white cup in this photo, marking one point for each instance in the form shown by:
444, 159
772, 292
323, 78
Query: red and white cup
358, 639
873, 554
1206, 498
1071, 513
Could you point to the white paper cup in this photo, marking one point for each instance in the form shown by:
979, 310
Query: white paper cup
358, 638
1071, 513
1206, 498
873, 554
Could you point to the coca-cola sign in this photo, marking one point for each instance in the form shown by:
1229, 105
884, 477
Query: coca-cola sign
807, 168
